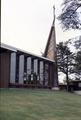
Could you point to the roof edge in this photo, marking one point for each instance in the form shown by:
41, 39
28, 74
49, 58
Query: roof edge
17, 49
3, 45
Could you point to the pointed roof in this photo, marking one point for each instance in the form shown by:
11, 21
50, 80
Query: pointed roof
50, 50
51, 44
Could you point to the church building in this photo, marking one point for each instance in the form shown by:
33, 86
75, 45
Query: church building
20, 68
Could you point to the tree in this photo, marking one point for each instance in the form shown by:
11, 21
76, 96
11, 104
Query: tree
65, 61
76, 42
78, 58
70, 17
78, 65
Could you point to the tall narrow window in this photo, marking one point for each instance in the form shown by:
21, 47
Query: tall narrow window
17, 68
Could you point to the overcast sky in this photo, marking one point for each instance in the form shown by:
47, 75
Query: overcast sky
26, 24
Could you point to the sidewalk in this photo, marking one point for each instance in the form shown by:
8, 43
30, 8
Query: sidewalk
77, 92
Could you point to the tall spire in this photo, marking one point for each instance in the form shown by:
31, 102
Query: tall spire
50, 50
54, 14
51, 43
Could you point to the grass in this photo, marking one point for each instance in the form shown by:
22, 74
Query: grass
32, 104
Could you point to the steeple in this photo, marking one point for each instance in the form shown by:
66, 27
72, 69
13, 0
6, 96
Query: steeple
50, 49
53, 15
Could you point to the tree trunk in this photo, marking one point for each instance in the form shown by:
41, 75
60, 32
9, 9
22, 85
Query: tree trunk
67, 80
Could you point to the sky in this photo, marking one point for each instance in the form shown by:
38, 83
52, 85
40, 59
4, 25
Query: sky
26, 24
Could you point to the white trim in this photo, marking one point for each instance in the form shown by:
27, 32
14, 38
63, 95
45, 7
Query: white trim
14, 49
8, 47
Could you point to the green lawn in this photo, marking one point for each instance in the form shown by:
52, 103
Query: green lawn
32, 104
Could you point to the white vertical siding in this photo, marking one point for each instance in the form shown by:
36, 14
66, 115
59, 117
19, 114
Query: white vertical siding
36, 66
41, 71
28, 65
13, 68
21, 69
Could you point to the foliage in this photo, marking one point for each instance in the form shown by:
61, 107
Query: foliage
77, 44
78, 60
65, 60
64, 57
78, 65
70, 17
70, 62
